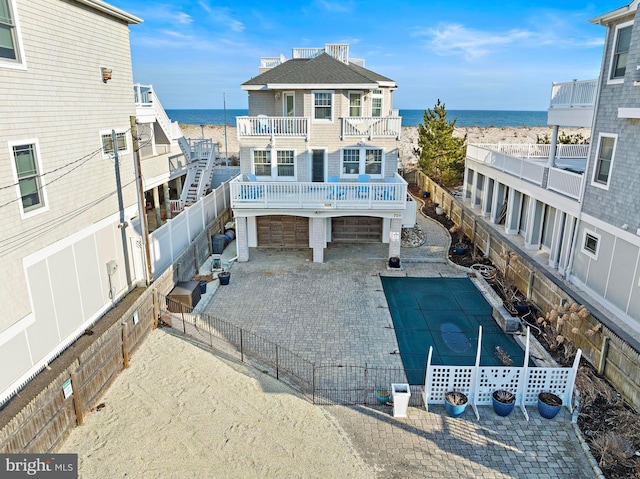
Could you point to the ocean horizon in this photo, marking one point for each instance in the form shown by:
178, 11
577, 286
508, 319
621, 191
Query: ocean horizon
484, 118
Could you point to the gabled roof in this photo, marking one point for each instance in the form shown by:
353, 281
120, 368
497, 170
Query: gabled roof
616, 14
111, 10
322, 71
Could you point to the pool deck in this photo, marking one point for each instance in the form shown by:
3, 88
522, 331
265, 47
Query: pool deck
337, 311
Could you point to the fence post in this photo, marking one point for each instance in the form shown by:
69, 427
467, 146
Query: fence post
125, 345
77, 398
603, 354
532, 276
156, 308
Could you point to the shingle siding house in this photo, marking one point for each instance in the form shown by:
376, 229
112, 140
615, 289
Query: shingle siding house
575, 207
63, 89
319, 156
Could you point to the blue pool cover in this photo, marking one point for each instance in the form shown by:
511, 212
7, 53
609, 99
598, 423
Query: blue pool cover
445, 313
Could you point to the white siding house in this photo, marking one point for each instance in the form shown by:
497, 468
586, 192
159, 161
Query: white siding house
66, 255
319, 156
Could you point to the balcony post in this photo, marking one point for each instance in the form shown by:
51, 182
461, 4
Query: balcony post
241, 239
554, 147
394, 237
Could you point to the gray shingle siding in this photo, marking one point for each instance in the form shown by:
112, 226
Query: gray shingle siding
619, 204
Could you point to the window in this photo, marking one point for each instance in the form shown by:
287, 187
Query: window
356, 161
29, 181
262, 162
376, 103
107, 143
9, 50
355, 104
590, 244
604, 161
373, 162
286, 165
322, 105
620, 51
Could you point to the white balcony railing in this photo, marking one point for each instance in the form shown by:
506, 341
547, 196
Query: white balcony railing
371, 126
529, 162
324, 196
574, 94
272, 126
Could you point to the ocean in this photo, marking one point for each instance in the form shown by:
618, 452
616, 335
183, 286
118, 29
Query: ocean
497, 118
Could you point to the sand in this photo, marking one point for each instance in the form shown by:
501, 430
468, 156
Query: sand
408, 138
179, 411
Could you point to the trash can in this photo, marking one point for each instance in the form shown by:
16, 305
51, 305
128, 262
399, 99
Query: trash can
203, 286
400, 393
218, 242
426, 194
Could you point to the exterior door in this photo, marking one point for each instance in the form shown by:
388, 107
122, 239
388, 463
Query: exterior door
289, 104
317, 166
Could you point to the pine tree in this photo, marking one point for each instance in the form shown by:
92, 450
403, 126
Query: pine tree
441, 154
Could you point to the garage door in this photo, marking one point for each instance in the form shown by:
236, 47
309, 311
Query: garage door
356, 229
283, 231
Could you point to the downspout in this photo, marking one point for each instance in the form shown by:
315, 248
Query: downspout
574, 239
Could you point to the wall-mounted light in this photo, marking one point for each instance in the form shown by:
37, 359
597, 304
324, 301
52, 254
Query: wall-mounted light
106, 74
277, 95
636, 76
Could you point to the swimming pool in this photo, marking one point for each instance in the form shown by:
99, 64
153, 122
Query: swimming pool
445, 313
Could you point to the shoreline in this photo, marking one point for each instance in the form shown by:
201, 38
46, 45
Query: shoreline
409, 136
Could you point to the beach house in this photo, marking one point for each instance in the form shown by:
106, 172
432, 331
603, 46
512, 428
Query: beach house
67, 251
319, 156
574, 207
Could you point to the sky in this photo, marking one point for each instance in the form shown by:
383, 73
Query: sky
472, 55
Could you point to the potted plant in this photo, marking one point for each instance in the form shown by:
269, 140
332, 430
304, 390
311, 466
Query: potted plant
549, 404
460, 248
455, 403
383, 395
439, 209
224, 277
503, 402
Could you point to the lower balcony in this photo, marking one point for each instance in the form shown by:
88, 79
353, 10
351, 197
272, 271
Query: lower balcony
389, 194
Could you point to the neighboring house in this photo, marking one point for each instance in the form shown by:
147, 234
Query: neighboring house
575, 207
319, 156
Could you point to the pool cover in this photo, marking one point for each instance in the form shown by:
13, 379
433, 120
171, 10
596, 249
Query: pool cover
444, 313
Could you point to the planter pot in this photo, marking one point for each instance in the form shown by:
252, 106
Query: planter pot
383, 395
439, 210
510, 307
502, 408
394, 262
522, 308
455, 409
460, 249
224, 277
549, 405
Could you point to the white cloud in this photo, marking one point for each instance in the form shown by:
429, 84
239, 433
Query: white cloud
335, 6
222, 16
455, 39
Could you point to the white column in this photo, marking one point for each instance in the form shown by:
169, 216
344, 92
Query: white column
534, 224
167, 200
487, 196
554, 146
156, 206
394, 237
556, 239
466, 193
242, 244
513, 212
497, 200
567, 238
318, 238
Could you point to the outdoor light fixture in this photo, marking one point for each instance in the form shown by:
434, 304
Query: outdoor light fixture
106, 74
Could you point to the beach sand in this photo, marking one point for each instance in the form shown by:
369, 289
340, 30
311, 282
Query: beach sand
179, 411
408, 138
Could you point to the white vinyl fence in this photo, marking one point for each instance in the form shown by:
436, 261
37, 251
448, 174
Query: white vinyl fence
479, 382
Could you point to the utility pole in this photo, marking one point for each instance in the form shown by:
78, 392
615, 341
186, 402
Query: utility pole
123, 222
141, 210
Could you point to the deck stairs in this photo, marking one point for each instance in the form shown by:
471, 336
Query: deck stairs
201, 157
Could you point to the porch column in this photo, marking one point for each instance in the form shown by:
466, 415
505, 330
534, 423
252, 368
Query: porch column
487, 196
394, 237
567, 240
513, 212
478, 190
534, 224
242, 243
467, 193
167, 200
156, 206
497, 201
554, 146
556, 239
318, 238
179, 186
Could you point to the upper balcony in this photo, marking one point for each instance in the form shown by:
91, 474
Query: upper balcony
573, 103
390, 194
529, 162
372, 126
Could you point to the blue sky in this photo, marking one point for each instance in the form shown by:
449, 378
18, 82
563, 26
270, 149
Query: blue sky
474, 55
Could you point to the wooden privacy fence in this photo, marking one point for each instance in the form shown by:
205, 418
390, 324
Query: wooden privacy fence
601, 345
47, 420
